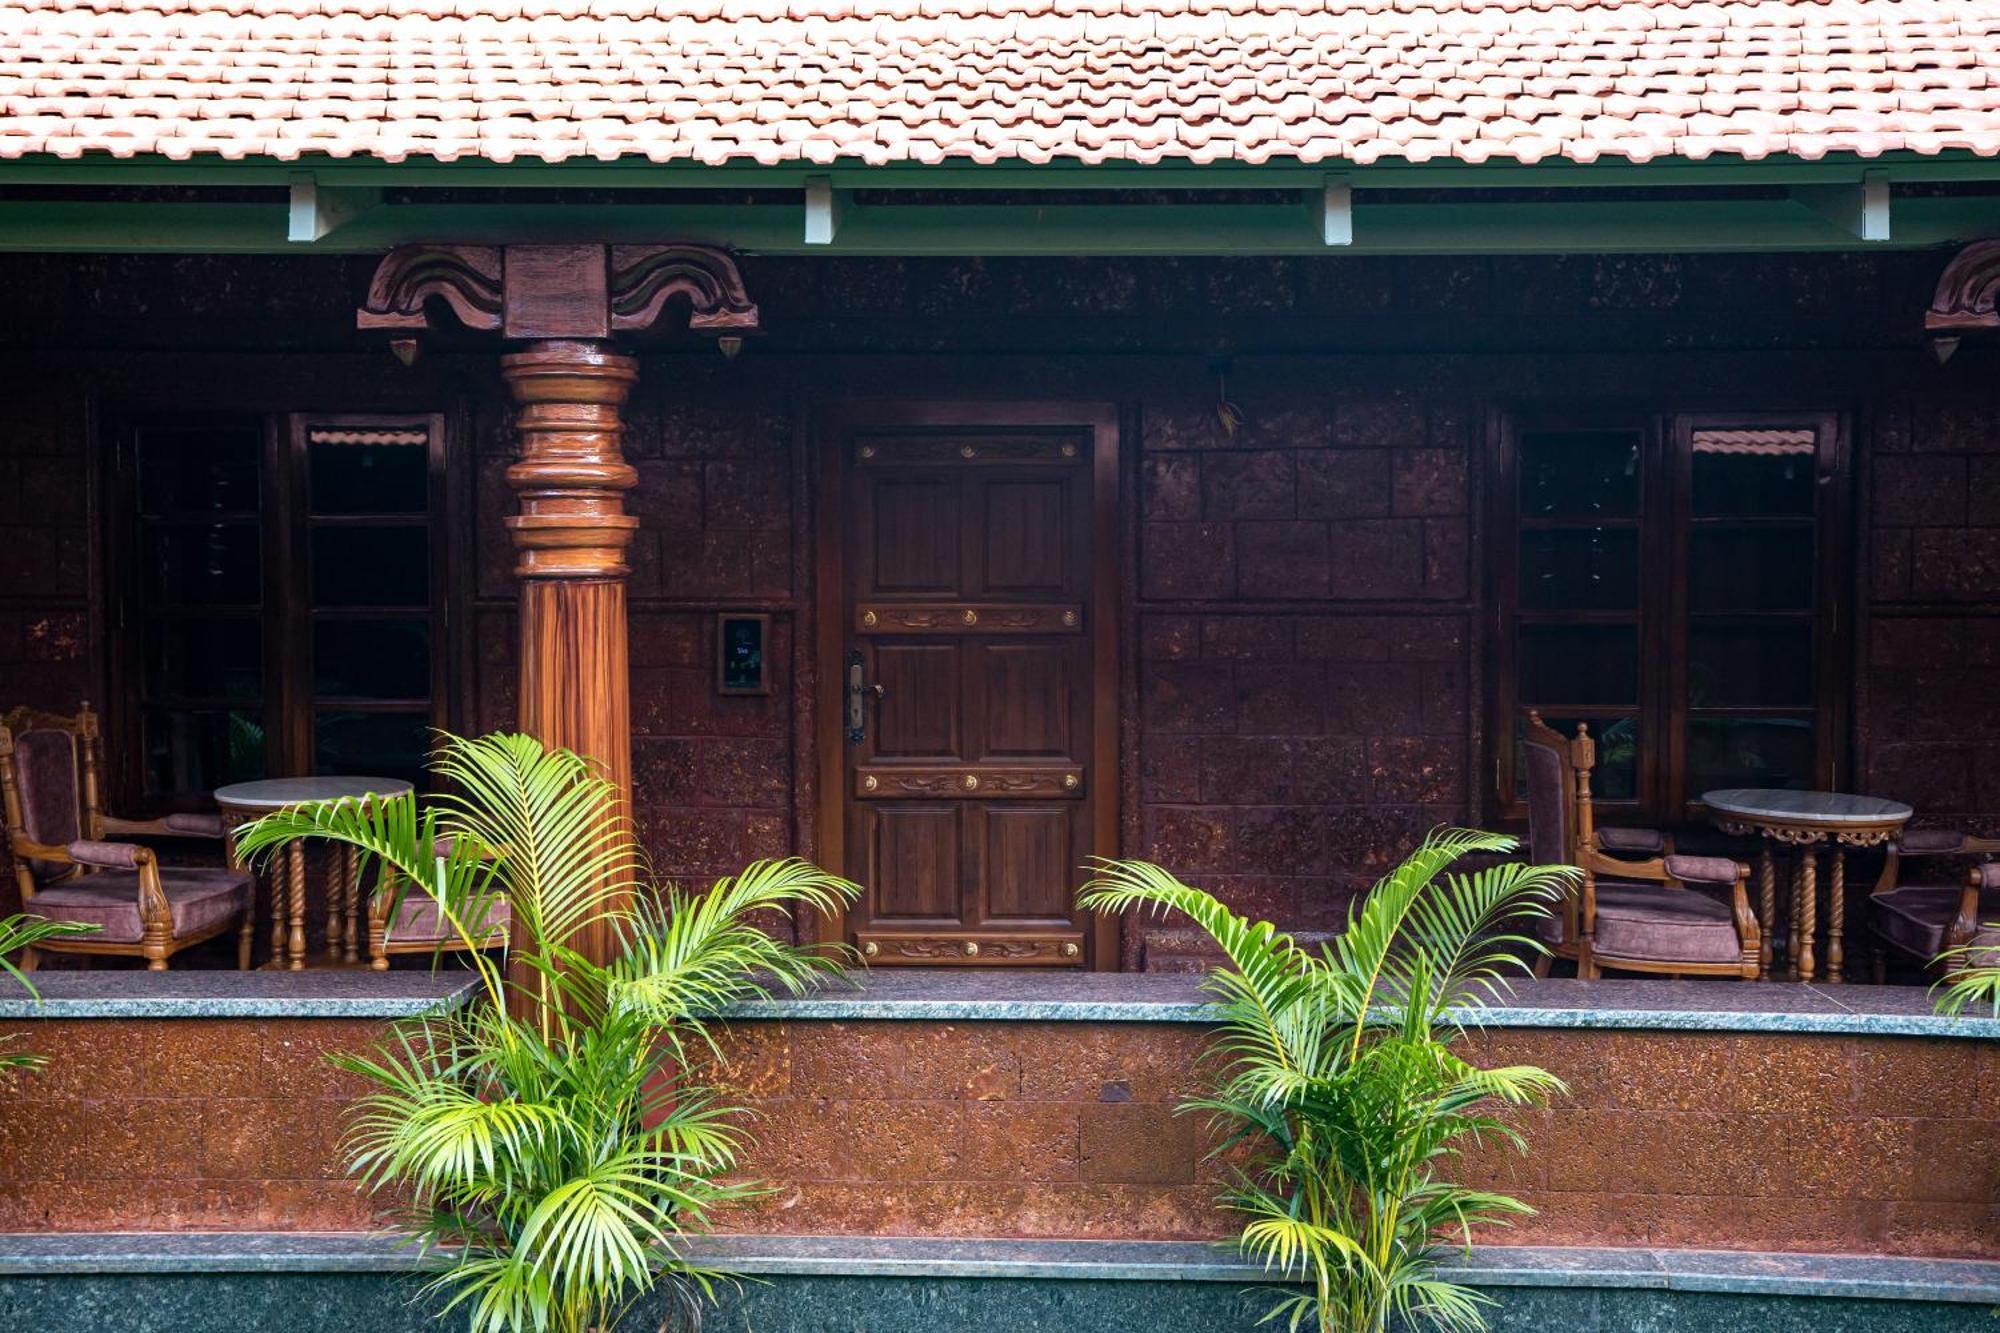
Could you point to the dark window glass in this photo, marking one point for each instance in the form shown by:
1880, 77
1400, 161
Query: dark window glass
1616, 777
369, 478
1751, 569
372, 659
202, 564
375, 745
1580, 569
1579, 474
1776, 472
370, 566
1749, 752
199, 470
1579, 664
205, 658
198, 751
1751, 665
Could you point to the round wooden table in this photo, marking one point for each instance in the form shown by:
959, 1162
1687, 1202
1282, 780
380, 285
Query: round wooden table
1803, 820
244, 801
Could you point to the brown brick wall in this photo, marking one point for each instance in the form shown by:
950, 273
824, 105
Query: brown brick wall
180, 1125
1694, 1140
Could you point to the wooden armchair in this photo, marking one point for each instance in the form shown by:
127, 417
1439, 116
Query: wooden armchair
1633, 915
68, 871
1918, 922
417, 927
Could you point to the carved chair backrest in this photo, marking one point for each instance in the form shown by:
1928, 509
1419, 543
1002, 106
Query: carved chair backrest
48, 776
1559, 814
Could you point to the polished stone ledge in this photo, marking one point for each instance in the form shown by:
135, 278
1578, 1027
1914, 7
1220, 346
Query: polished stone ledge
189, 994
971, 995
1865, 1277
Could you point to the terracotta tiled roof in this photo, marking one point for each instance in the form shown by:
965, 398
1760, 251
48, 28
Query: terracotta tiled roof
881, 81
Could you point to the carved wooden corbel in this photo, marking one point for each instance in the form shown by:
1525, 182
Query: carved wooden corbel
535, 292
1965, 298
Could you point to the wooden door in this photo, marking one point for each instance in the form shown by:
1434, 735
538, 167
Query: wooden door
974, 678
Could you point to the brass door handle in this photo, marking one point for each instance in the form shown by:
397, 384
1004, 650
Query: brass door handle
858, 692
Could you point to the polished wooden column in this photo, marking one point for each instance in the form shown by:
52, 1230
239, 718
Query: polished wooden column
560, 307
571, 538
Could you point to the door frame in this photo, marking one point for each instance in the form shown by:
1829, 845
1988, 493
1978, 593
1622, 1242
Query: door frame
831, 425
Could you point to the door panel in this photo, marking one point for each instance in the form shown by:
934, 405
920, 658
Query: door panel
967, 590
914, 866
1028, 861
923, 679
1027, 713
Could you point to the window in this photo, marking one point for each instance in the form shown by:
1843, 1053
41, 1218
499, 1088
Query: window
278, 600
1672, 582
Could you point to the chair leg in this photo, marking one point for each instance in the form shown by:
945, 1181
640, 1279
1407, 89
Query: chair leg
245, 939
1878, 966
1544, 965
1586, 963
30, 959
156, 959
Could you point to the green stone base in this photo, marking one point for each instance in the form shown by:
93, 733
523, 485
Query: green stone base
390, 1303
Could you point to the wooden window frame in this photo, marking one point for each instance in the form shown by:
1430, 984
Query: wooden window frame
286, 612
1664, 523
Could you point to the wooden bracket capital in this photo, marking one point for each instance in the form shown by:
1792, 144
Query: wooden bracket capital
527, 293
1967, 292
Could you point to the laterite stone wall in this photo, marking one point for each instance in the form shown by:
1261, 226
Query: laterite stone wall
1683, 1140
180, 1125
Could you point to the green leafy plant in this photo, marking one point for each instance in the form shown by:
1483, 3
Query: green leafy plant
1334, 1072
551, 1160
18, 932
1971, 978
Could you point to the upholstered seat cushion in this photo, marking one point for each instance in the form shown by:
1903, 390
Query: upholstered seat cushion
1915, 920
200, 901
1639, 841
419, 922
1656, 924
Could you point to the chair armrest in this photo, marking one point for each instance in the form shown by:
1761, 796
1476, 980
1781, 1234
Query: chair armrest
191, 825
1980, 880
1718, 870
108, 855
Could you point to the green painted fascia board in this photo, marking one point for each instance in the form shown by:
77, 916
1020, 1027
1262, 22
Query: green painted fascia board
100, 169
1681, 226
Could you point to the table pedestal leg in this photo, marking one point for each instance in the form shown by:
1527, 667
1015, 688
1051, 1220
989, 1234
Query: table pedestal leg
336, 909
1808, 922
350, 881
295, 905
1836, 912
1767, 908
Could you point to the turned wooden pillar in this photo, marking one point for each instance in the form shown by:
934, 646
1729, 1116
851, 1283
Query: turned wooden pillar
561, 307
571, 537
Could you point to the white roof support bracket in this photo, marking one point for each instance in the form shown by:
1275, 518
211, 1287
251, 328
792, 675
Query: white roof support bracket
1861, 209
318, 211
1335, 211
824, 205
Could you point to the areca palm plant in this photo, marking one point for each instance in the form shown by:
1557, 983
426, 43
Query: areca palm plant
1334, 1071
18, 932
552, 1147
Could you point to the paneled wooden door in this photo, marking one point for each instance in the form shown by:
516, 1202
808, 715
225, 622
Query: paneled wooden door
969, 613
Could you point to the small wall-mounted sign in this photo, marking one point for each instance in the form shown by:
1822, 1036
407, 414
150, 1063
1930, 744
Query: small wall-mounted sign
742, 665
